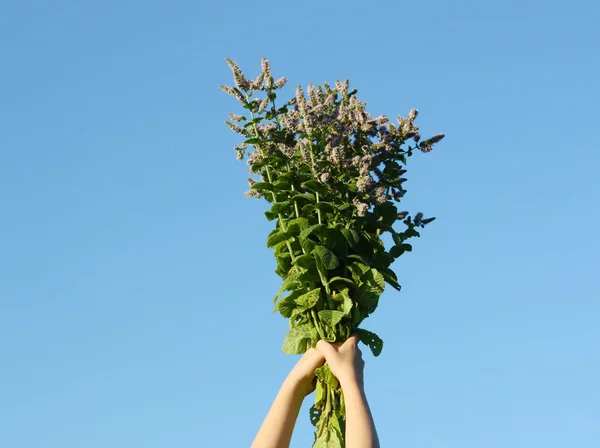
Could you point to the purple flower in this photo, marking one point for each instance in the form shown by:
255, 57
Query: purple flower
364, 183
280, 83
263, 105
234, 127
235, 117
361, 207
240, 81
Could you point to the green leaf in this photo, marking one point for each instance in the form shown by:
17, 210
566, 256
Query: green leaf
288, 284
286, 306
352, 236
359, 259
391, 278
270, 215
276, 238
315, 414
297, 225
348, 304
296, 341
334, 421
325, 207
309, 299
370, 339
346, 281
319, 393
387, 212
308, 245
308, 196
305, 261
358, 269
335, 437
330, 317
367, 297
281, 186
259, 186
397, 238
284, 262
315, 186
307, 232
322, 441
375, 279
396, 251
399, 249
281, 207
324, 374
326, 257
253, 141
308, 209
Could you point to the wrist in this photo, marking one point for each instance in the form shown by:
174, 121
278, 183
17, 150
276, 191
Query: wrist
351, 384
295, 386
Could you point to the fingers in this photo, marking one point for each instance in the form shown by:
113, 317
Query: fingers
352, 340
326, 348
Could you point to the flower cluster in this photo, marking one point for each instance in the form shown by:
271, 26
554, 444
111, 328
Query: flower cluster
331, 131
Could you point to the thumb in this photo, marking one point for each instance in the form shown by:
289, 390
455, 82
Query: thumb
326, 348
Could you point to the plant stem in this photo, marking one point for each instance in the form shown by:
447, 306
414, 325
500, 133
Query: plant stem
281, 222
318, 210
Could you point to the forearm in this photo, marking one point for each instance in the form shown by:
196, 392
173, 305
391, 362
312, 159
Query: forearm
360, 428
276, 430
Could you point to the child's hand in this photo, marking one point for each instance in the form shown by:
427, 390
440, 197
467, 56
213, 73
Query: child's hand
303, 373
345, 360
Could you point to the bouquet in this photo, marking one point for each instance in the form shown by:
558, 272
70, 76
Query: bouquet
333, 175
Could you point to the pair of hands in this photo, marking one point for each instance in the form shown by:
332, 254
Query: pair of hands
344, 360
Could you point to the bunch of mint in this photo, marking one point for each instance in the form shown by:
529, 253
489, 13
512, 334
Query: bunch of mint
333, 175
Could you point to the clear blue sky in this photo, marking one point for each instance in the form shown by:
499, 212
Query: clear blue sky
135, 285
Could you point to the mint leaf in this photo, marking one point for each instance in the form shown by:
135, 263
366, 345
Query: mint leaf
330, 317
315, 414
305, 261
342, 280
286, 306
297, 225
324, 374
374, 342
309, 299
327, 257
391, 278
291, 282
276, 238
307, 232
321, 442
296, 341
352, 236
259, 186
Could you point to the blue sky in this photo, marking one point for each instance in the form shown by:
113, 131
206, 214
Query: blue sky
135, 285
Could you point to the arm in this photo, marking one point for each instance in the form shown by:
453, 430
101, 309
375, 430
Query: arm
276, 430
346, 363
360, 428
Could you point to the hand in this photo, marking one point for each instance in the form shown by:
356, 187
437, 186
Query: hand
303, 373
345, 360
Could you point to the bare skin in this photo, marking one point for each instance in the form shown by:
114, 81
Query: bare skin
346, 363
276, 430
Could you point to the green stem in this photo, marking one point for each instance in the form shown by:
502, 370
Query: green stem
281, 222
313, 315
295, 203
318, 210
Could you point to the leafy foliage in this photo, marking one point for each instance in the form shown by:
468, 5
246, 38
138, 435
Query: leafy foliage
333, 176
